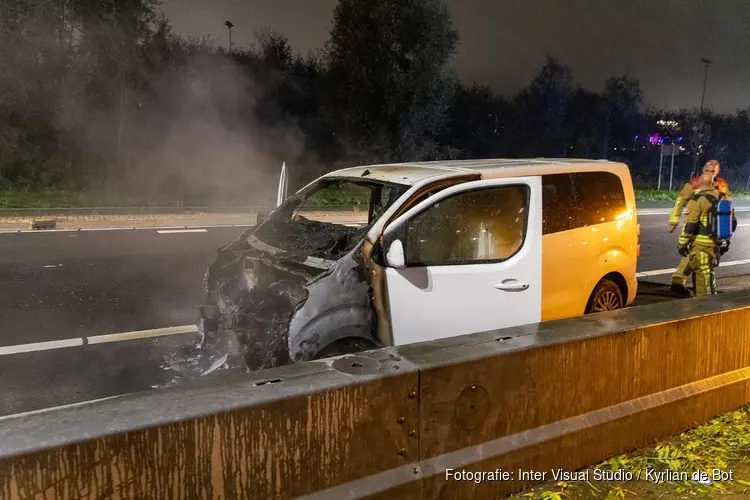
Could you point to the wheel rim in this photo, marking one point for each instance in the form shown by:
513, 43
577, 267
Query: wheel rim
607, 301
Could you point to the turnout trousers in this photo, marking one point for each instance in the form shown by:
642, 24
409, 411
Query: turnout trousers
703, 265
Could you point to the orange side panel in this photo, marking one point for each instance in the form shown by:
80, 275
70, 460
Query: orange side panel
561, 276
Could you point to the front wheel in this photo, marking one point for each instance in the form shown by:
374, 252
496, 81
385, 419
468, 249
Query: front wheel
347, 345
607, 296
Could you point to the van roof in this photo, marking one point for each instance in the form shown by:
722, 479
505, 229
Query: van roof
411, 173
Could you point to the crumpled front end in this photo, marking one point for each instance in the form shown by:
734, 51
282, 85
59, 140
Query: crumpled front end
250, 298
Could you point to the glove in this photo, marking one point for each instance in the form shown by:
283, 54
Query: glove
724, 248
684, 251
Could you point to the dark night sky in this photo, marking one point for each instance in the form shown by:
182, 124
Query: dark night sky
504, 42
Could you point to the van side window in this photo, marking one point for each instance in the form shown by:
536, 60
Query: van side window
561, 210
581, 199
487, 224
601, 194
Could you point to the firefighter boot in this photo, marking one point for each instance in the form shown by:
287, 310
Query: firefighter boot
680, 277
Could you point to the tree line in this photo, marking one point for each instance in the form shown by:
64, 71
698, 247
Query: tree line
103, 93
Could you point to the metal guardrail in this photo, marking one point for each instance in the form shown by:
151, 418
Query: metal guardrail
388, 423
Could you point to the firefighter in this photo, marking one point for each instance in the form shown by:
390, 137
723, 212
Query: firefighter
712, 167
697, 242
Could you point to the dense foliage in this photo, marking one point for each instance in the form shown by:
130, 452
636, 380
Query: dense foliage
103, 94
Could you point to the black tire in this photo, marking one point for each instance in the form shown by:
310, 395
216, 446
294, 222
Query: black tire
347, 345
607, 296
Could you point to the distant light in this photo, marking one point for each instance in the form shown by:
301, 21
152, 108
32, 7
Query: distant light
668, 123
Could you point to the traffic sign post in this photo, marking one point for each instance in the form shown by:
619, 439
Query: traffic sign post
671, 169
670, 150
661, 160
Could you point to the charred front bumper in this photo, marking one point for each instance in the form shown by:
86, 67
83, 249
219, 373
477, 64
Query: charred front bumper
250, 297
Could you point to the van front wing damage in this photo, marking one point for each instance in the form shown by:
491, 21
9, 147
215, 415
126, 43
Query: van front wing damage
266, 307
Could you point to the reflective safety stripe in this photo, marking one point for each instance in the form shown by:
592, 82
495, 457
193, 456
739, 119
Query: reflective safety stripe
702, 238
705, 277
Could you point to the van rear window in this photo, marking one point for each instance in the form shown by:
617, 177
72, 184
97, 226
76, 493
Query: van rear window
580, 199
601, 196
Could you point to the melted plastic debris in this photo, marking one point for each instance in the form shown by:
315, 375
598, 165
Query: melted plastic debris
221, 362
193, 362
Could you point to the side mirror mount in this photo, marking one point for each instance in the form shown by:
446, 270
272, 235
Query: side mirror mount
395, 256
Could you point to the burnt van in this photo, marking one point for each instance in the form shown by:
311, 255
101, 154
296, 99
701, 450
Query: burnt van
434, 250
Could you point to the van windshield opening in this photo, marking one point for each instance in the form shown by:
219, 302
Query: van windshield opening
329, 218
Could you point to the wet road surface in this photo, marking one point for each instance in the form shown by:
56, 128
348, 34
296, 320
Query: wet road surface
64, 288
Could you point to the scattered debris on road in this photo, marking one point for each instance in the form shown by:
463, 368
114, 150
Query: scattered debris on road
43, 224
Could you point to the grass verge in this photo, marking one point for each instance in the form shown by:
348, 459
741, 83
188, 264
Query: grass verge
666, 470
653, 195
86, 199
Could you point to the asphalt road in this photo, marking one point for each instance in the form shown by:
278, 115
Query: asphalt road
659, 248
63, 286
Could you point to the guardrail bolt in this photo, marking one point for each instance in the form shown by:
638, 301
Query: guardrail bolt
412, 433
473, 388
402, 452
415, 471
401, 420
412, 395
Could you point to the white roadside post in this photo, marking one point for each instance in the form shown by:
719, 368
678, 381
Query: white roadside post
661, 160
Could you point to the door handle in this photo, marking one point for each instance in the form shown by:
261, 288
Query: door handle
511, 285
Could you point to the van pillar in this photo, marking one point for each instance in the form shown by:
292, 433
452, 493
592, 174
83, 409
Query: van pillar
379, 296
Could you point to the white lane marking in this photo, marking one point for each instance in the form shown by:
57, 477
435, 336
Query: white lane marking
54, 265
733, 263
83, 230
655, 273
658, 272
97, 339
173, 231
142, 334
40, 346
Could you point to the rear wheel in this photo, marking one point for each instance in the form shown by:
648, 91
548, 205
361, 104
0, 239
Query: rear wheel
607, 296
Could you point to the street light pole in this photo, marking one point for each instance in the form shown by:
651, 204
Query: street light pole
229, 26
706, 64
